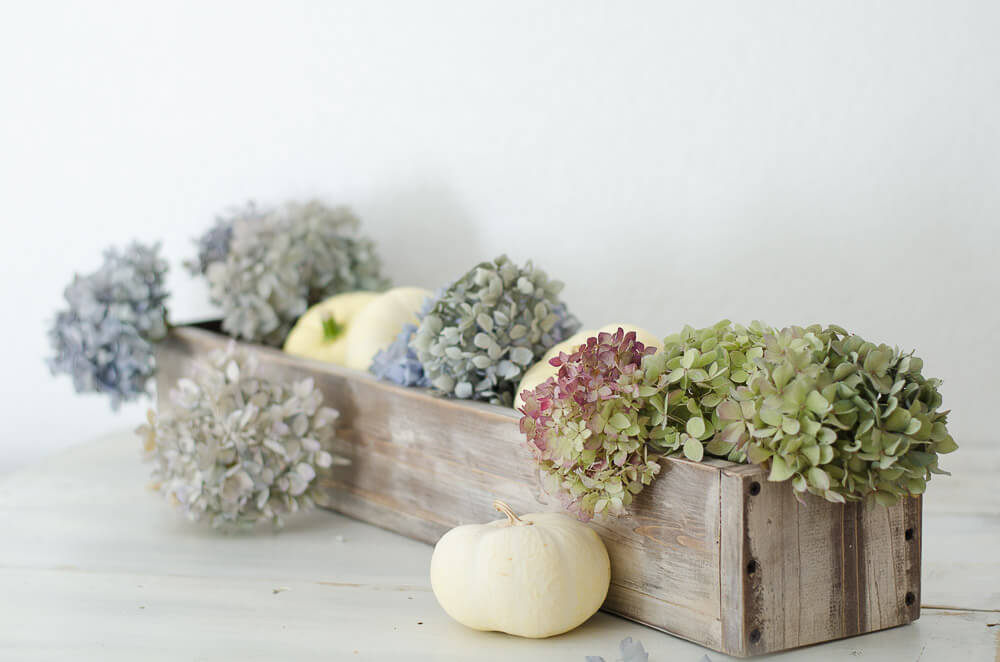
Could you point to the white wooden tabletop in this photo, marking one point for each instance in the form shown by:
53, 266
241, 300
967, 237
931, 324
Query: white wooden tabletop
93, 566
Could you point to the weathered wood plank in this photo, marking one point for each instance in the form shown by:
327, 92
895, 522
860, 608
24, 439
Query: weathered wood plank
814, 571
713, 552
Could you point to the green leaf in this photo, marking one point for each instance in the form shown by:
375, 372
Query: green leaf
921, 459
780, 470
693, 450
771, 416
711, 400
834, 497
817, 403
689, 358
946, 445
886, 499
758, 454
813, 454
619, 421
695, 427
718, 447
646, 391
697, 375
819, 478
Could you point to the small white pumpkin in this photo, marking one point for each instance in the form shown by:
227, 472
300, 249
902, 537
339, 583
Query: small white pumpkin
377, 324
535, 576
321, 332
541, 370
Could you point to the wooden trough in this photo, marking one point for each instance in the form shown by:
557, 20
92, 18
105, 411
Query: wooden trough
712, 552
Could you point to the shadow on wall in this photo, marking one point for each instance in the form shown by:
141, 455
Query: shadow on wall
424, 234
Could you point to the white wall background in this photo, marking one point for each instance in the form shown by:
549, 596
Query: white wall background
672, 162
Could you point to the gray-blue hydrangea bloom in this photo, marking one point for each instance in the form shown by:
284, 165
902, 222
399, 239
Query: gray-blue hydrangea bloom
488, 327
236, 448
213, 246
290, 259
103, 341
398, 363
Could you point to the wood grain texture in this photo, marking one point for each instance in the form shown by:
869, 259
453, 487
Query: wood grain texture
795, 573
421, 465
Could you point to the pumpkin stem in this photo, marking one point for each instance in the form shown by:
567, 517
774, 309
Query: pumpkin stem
331, 329
506, 510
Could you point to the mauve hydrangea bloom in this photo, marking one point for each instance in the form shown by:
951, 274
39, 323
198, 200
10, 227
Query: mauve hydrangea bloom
281, 264
488, 327
586, 427
104, 339
238, 449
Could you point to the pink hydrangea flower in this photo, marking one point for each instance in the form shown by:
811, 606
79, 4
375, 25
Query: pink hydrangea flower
586, 428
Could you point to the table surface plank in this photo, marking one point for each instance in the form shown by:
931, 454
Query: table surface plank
93, 566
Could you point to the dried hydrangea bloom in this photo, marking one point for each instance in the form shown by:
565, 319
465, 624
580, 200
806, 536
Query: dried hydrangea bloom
840, 417
586, 427
279, 265
213, 246
398, 363
103, 340
684, 383
488, 327
238, 449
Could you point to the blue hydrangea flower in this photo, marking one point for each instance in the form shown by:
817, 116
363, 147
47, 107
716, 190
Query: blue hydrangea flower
398, 363
103, 341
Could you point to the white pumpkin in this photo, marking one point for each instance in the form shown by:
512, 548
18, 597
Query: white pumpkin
535, 576
541, 370
321, 332
377, 324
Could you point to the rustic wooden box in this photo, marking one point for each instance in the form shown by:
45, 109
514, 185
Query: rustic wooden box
713, 552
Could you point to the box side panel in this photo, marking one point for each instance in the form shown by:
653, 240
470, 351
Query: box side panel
815, 571
421, 465
891, 552
734, 581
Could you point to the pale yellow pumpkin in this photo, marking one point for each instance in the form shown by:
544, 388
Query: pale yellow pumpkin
377, 324
535, 576
321, 332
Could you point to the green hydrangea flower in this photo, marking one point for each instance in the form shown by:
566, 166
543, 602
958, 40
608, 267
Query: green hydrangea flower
840, 417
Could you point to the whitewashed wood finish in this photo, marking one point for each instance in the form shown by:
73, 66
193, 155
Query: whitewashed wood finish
94, 567
421, 465
805, 573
